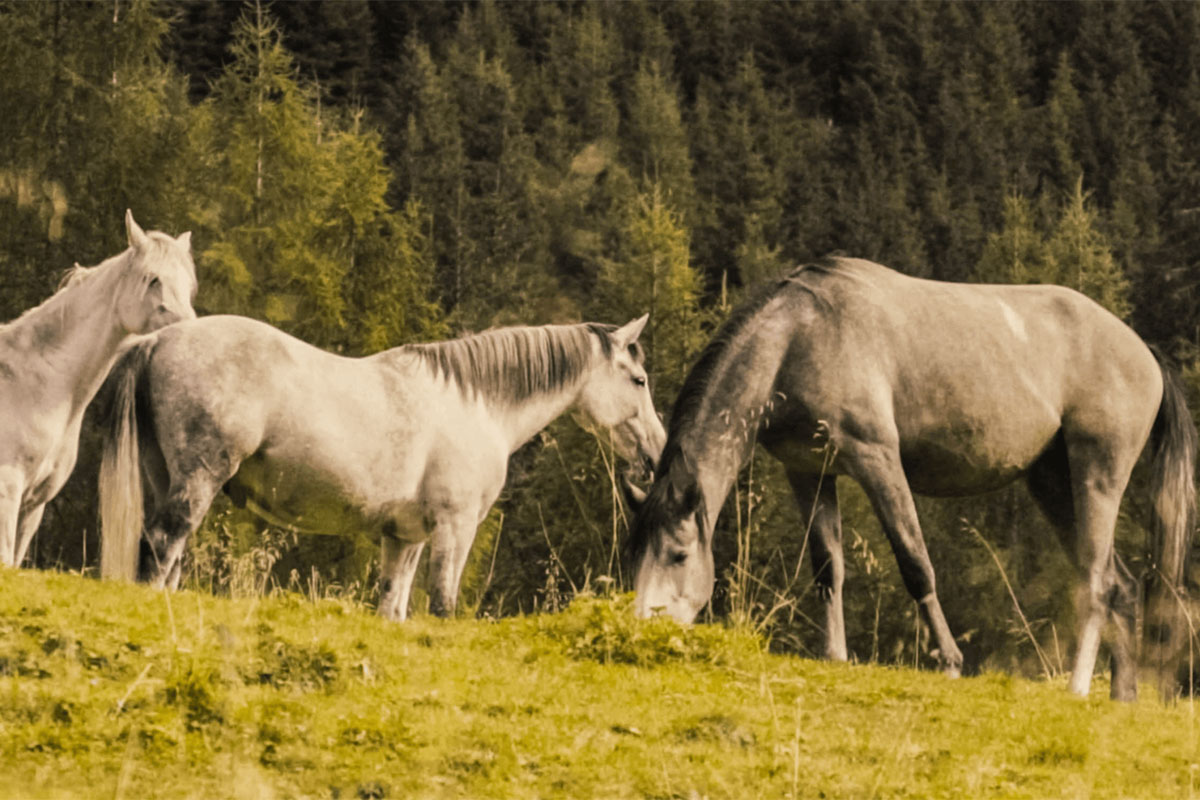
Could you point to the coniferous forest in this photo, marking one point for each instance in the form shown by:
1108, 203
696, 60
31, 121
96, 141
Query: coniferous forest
368, 174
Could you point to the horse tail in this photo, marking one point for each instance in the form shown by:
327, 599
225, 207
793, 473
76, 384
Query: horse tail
121, 511
1173, 511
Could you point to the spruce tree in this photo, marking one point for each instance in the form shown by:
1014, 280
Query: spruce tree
1017, 252
1083, 256
299, 192
651, 273
656, 147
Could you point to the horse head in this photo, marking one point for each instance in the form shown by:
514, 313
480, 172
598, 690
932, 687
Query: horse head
159, 282
671, 555
616, 395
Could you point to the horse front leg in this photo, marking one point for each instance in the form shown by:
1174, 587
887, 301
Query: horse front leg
449, 548
26, 528
878, 470
398, 569
11, 489
817, 499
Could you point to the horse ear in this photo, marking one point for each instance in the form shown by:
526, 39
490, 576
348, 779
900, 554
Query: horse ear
185, 240
137, 236
635, 498
628, 334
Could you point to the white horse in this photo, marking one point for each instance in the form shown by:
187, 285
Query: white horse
54, 357
410, 445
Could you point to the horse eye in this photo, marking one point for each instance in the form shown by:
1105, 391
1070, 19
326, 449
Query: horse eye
676, 558
638, 380
155, 283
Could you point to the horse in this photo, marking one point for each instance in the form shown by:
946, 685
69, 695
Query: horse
53, 360
846, 367
408, 445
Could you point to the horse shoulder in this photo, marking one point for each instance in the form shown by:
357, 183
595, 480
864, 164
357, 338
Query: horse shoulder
467, 451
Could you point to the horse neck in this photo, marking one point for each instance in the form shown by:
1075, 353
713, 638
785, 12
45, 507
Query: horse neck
74, 336
523, 420
720, 431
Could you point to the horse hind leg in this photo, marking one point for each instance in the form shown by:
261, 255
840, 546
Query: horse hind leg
1104, 592
1050, 484
1098, 480
176, 516
818, 501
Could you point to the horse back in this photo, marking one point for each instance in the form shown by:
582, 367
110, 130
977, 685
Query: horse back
295, 418
971, 382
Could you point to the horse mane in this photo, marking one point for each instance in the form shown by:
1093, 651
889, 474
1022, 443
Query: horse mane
687, 403
511, 365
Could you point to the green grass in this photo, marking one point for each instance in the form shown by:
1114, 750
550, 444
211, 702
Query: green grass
111, 690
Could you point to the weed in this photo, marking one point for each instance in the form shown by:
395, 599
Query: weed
196, 689
282, 664
718, 728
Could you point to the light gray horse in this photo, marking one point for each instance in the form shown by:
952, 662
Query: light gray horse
54, 357
938, 388
411, 444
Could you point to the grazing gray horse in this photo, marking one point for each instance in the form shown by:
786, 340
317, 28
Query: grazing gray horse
54, 357
936, 388
410, 444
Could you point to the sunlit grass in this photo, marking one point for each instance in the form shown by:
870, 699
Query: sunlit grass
111, 690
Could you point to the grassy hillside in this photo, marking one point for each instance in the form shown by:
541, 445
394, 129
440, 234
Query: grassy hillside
118, 691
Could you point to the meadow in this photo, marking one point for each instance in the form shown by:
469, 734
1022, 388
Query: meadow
117, 691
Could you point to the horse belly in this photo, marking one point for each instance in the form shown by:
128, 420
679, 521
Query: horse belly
302, 498
962, 459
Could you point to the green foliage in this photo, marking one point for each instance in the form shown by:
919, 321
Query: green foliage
296, 189
652, 273
1083, 258
604, 629
657, 140
1016, 253
391, 283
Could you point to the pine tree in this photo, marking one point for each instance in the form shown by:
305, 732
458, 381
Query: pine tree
1061, 125
1083, 256
1017, 252
1076, 253
505, 242
656, 147
651, 273
297, 189
582, 64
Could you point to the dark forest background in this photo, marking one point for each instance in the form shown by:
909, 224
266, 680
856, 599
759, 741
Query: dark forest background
367, 174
